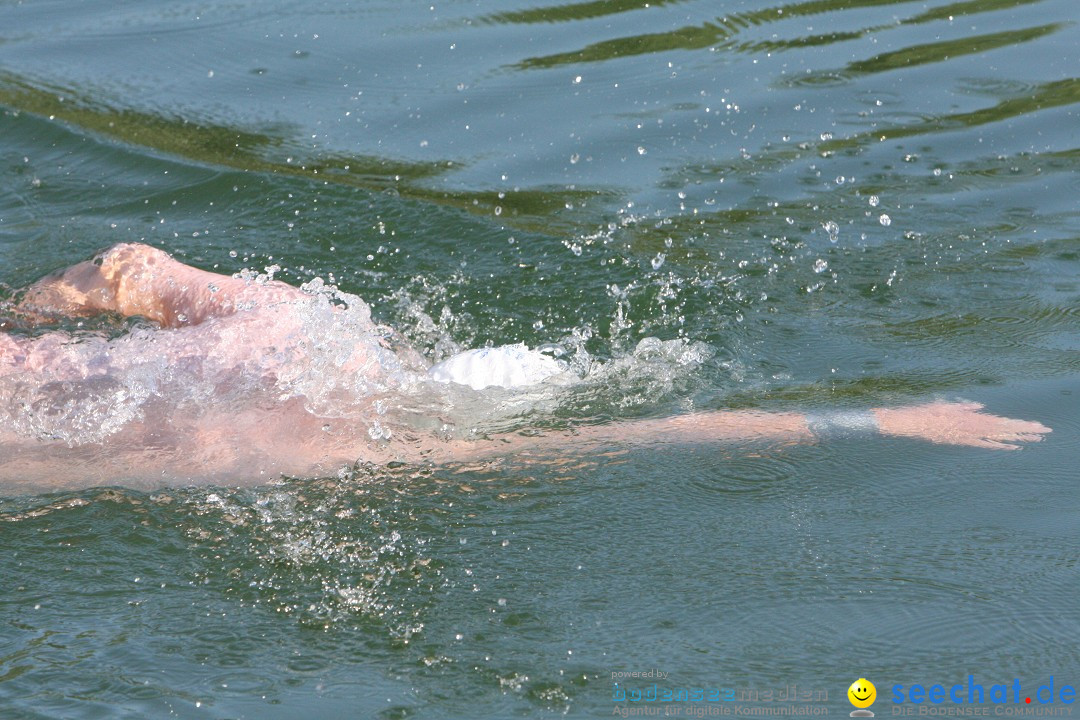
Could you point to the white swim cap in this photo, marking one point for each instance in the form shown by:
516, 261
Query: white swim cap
507, 366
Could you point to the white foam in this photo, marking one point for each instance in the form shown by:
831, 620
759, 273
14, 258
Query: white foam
506, 366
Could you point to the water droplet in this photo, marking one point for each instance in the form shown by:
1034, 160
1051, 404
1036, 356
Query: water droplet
885, 220
833, 229
874, 200
820, 265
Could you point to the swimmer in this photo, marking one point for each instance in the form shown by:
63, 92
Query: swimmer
84, 411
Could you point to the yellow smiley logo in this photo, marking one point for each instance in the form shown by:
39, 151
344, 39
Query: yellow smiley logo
862, 693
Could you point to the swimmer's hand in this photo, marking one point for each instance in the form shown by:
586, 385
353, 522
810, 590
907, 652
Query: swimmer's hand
958, 424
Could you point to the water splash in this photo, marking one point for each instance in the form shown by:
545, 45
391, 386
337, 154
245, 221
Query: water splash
326, 553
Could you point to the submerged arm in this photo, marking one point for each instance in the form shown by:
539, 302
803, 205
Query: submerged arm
956, 423
255, 447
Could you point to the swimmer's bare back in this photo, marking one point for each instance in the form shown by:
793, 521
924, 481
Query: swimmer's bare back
264, 442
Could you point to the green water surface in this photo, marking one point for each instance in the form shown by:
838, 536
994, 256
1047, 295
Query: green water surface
847, 202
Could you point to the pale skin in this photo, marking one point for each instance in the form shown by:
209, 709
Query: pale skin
236, 319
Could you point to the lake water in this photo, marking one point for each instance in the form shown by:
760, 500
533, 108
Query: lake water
827, 203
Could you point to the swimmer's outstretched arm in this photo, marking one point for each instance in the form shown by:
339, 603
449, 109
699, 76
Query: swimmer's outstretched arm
952, 423
134, 279
254, 447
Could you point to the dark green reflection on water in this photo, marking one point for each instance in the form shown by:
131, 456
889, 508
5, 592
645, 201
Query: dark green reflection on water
576, 11
938, 52
266, 151
1026, 101
721, 31
965, 8
1042, 97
